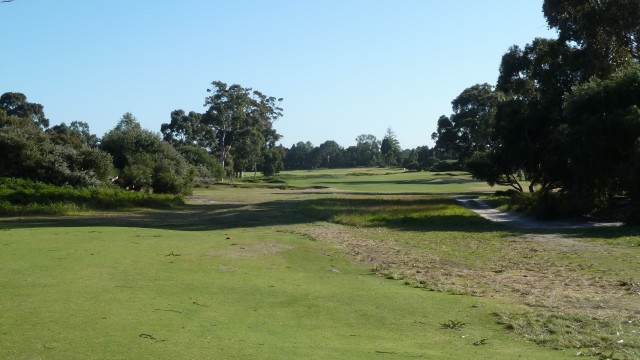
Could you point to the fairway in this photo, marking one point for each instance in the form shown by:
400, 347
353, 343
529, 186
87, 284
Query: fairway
386, 180
263, 273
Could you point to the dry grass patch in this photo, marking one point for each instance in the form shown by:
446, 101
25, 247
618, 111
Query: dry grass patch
571, 305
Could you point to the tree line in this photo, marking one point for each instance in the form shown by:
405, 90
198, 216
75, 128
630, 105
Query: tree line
369, 151
234, 134
562, 121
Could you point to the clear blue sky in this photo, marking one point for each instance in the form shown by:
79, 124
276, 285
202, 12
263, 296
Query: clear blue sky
343, 67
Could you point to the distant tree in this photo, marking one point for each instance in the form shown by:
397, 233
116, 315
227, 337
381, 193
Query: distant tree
16, 104
425, 157
128, 122
299, 156
390, 148
368, 150
329, 154
409, 159
350, 157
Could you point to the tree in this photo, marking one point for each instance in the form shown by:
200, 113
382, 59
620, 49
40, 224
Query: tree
368, 150
299, 156
144, 161
188, 129
604, 118
469, 129
28, 152
76, 135
16, 104
606, 32
328, 154
273, 161
243, 122
390, 148
529, 130
425, 157
445, 138
207, 167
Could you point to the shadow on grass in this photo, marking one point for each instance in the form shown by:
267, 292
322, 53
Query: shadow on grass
405, 213
430, 182
425, 214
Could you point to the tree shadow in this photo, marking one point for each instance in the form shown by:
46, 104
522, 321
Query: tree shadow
392, 213
402, 213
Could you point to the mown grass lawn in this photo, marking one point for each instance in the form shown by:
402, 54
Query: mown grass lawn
114, 292
385, 180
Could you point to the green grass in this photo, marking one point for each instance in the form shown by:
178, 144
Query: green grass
296, 278
112, 292
385, 181
375, 180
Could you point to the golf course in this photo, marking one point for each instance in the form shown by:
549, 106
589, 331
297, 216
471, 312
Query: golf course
365, 263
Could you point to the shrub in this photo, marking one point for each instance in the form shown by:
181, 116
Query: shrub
145, 161
22, 196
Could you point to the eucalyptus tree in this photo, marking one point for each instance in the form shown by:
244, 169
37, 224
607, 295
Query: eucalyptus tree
243, 123
187, 129
16, 104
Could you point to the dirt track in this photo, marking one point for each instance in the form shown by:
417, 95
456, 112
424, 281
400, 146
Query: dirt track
483, 209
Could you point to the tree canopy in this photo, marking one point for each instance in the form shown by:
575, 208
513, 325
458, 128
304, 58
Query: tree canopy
563, 114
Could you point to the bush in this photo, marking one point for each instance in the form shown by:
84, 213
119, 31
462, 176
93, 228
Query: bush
446, 165
28, 153
145, 161
22, 196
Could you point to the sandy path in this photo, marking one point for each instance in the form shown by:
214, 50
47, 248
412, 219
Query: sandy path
514, 219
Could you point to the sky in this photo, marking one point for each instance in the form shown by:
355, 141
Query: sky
343, 67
